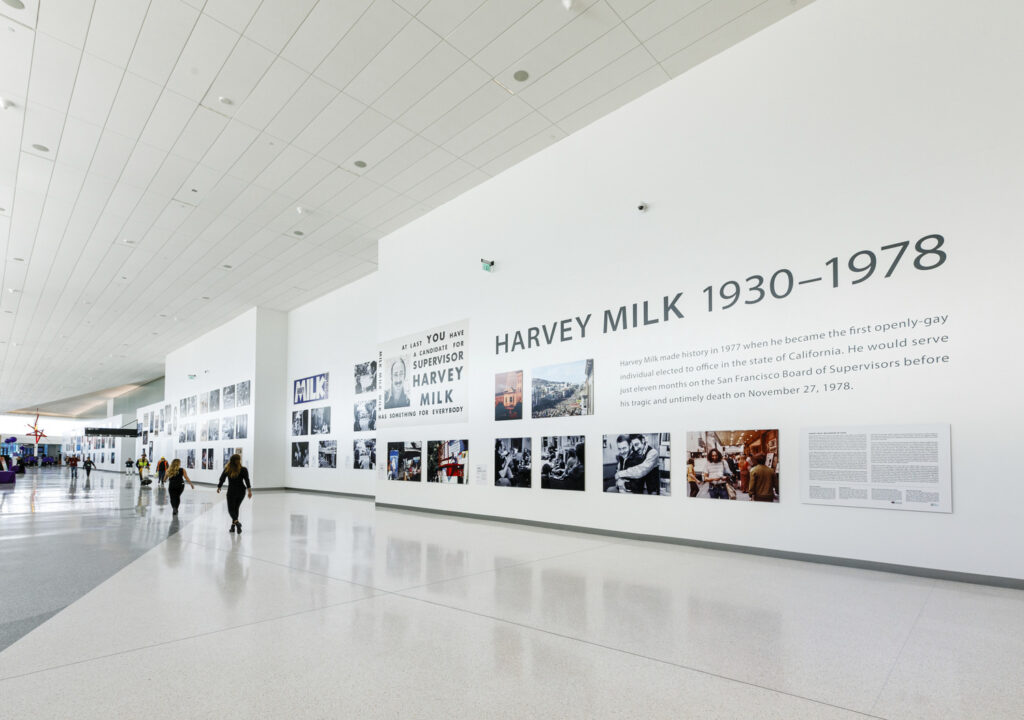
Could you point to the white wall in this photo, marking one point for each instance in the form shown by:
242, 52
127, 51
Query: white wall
331, 334
847, 126
107, 453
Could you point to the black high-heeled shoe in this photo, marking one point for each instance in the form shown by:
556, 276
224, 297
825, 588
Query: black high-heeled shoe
239, 526
232, 528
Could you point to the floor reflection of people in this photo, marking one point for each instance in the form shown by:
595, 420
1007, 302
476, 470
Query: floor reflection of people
236, 574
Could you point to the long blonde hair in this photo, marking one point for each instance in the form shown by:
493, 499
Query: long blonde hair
234, 466
175, 468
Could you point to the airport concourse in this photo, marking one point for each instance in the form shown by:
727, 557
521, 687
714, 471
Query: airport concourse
510, 358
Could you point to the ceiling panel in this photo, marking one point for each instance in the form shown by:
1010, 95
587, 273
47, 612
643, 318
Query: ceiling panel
149, 181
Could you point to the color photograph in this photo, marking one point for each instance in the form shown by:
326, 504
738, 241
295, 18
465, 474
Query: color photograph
637, 463
563, 390
513, 462
404, 461
563, 459
446, 461
733, 465
508, 395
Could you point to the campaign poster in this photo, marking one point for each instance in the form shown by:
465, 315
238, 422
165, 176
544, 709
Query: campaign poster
423, 378
309, 389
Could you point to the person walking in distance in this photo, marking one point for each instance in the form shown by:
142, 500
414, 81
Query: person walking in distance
73, 464
161, 469
176, 479
237, 477
88, 465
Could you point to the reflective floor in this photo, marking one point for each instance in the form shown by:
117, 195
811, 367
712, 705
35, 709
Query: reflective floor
328, 607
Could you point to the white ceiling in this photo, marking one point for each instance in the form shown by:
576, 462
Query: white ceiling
125, 94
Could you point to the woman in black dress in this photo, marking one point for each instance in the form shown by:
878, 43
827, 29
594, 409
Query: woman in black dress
238, 486
176, 479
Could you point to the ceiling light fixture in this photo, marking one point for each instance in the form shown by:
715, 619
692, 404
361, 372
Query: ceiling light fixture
227, 267
567, 4
359, 164
225, 100
40, 148
126, 241
6, 104
520, 76
18, 259
12, 290
205, 297
299, 233
16, 4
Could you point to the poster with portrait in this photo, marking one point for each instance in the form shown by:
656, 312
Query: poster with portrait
422, 378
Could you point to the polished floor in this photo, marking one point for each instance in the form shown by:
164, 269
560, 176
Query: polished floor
329, 607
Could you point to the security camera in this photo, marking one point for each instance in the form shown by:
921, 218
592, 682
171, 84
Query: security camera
642, 207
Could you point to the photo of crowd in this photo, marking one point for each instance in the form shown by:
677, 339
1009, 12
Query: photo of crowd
563, 390
365, 413
366, 377
404, 461
637, 463
733, 465
242, 393
563, 460
446, 461
364, 454
508, 395
513, 462
327, 454
229, 397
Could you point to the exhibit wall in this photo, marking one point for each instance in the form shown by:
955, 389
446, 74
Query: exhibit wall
108, 453
820, 290
328, 430
211, 397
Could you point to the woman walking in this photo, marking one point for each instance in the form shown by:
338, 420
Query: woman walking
88, 465
238, 486
176, 479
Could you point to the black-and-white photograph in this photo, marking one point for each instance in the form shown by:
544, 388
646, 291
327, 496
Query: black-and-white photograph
637, 463
563, 390
145, 438
215, 400
183, 407
165, 413
365, 413
204, 408
300, 422
446, 461
181, 433
228, 398
241, 427
327, 454
151, 449
190, 432
193, 406
227, 456
227, 428
242, 393
733, 464
405, 461
210, 458
563, 460
513, 462
214, 433
300, 454
204, 430
205, 462
364, 454
190, 460
366, 377
395, 371
320, 420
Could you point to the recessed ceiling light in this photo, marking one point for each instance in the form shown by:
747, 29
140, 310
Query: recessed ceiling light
359, 164
9, 312
6, 104
124, 277
521, 76
12, 290
205, 297
18, 259
126, 241
161, 315
16, 4
225, 100
40, 148
299, 233
156, 333
227, 267
3, 210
